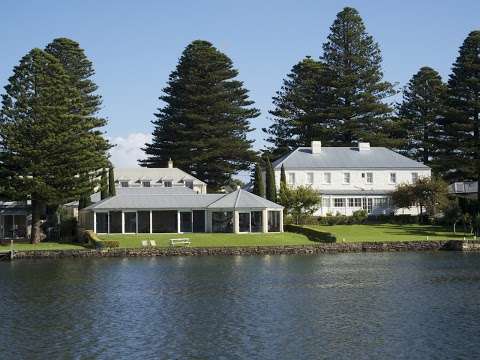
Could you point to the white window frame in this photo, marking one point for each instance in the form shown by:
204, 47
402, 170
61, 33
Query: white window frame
124, 184
170, 182
291, 176
325, 175
394, 180
414, 177
347, 178
342, 200
310, 178
366, 177
146, 182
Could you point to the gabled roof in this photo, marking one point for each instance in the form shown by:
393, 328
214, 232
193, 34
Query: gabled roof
238, 199
347, 158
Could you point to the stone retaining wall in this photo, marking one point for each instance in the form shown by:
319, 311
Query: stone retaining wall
320, 248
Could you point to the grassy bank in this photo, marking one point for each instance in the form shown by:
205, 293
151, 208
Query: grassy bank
41, 246
388, 232
211, 240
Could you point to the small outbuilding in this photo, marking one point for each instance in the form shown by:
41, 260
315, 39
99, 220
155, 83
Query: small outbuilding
182, 210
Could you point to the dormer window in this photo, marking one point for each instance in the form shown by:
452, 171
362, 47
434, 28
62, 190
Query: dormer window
146, 183
167, 183
124, 184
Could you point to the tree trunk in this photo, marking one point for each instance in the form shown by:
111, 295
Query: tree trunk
36, 234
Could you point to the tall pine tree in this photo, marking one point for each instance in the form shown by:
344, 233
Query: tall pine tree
421, 113
301, 109
111, 182
354, 61
48, 148
204, 124
462, 160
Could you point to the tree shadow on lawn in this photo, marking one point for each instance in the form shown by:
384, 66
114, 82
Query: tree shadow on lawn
417, 231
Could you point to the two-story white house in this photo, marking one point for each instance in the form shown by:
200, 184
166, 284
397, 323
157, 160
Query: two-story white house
351, 178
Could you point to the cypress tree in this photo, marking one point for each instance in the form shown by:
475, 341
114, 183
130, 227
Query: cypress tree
84, 201
111, 182
301, 105
421, 113
205, 121
462, 159
103, 185
258, 183
283, 176
354, 61
47, 143
270, 188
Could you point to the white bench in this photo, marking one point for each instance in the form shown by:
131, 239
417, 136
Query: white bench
181, 241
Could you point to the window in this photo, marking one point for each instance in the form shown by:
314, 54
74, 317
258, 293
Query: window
144, 221
414, 177
102, 223
393, 178
146, 183
273, 221
244, 222
167, 183
130, 219
327, 178
115, 222
189, 184
326, 202
346, 178
291, 178
222, 221
354, 202
186, 221
198, 221
339, 202
380, 202
369, 177
124, 183
256, 224
310, 178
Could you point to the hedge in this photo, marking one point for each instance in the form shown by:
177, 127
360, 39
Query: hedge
312, 234
92, 239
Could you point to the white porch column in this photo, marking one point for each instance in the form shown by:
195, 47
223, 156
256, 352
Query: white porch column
236, 220
136, 222
178, 221
123, 222
94, 221
265, 220
151, 224
281, 221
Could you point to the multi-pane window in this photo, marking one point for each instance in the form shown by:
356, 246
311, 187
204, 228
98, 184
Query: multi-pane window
291, 178
354, 202
167, 183
414, 177
124, 183
380, 202
327, 178
393, 178
310, 178
146, 183
369, 177
339, 202
346, 178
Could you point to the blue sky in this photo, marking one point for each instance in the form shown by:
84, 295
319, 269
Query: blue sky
134, 45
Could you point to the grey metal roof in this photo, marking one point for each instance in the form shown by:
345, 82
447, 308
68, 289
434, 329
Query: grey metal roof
175, 175
347, 158
138, 201
464, 187
175, 190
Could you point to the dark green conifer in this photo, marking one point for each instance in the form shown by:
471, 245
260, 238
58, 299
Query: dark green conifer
270, 188
258, 182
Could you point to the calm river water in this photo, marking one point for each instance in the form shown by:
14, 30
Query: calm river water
350, 306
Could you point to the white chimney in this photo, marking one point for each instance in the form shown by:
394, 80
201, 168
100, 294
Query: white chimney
170, 163
316, 147
362, 146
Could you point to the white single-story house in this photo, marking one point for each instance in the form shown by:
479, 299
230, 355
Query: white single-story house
15, 220
464, 189
351, 178
181, 210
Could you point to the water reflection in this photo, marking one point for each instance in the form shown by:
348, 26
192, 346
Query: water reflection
410, 305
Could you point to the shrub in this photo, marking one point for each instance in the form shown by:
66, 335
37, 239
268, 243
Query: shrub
93, 240
359, 216
312, 234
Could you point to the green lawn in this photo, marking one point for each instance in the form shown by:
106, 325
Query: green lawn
41, 246
211, 240
388, 232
